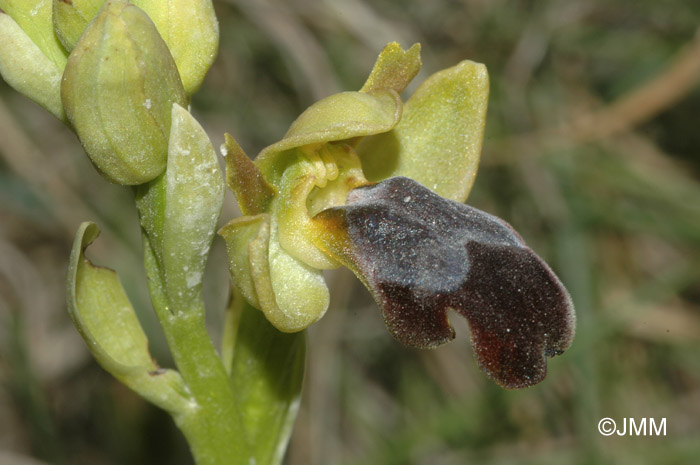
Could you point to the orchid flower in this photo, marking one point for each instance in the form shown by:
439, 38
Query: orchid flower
366, 181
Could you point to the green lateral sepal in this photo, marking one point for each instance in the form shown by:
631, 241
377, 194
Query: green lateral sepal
438, 140
291, 294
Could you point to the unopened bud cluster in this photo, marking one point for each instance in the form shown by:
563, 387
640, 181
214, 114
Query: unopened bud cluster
112, 70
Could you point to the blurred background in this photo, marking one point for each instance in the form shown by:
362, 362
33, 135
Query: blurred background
592, 153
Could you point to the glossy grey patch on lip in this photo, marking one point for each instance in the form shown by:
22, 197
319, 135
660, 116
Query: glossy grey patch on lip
421, 254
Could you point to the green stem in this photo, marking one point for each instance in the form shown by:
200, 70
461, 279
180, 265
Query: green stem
213, 428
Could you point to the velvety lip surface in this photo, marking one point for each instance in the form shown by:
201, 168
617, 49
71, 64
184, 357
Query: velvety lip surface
421, 254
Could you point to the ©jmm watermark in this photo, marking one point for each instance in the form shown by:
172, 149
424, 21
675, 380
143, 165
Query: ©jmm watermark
633, 427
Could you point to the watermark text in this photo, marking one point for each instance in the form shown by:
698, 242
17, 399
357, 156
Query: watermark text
633, 427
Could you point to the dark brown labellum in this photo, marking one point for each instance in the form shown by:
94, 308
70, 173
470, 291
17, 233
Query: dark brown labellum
421, 254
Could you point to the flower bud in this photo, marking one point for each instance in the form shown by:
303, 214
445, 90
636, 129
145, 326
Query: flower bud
118, 90
71, 17
190, 29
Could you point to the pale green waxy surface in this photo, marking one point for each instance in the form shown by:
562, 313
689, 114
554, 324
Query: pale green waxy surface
35, 18
191, 30
213, 429
194, 196
25, 67
118, 90
106, 320
266, 369
179, 210
70, 18
438, 140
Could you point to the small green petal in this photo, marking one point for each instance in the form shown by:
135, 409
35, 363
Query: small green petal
338, 117
106, 320
438, 140
244, 178
395, 68
25, 67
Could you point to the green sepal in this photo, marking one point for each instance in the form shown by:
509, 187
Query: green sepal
180, 209
438, 140
394, 69
118, 90
27, 69
291, 294
338, 117
103, 315
241, 235
70, 18
191, 30
266, 368
35, 18
244, 178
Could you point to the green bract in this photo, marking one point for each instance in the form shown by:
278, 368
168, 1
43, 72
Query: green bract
118, 90
179, 209
340, 143
105, 318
